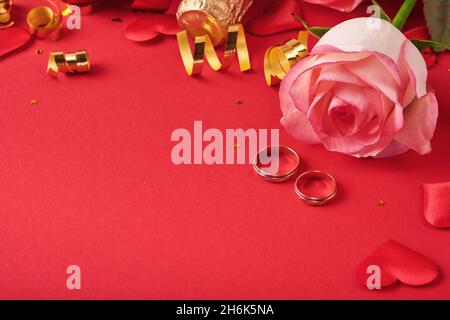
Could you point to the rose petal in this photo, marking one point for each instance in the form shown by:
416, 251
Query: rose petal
150, 25
286, 101
360, 35
295, 121
420, 119
341, 5
436, 203
298, 125
394, 148
372, 71
337, 73
417, 68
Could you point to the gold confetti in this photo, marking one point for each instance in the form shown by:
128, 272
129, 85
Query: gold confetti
238, 101
237, 146
39, 51
34, 101
381, 203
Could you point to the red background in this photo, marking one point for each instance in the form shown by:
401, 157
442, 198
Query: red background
86, 178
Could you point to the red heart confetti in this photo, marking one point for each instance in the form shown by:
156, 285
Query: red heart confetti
398, 263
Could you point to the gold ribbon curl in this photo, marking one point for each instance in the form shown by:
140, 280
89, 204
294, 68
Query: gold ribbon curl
5, 14
203, 47
45, 21
280, 59
73, 62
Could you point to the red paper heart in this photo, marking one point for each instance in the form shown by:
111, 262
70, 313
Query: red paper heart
12, 39
277, 18
436, 203
149, 26
398, 262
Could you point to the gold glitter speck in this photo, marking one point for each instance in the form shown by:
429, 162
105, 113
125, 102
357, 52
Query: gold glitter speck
381, 203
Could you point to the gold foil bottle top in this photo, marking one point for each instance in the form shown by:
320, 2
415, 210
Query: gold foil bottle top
211, 17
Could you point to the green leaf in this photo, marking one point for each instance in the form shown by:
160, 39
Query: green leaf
429, 44
383, 14
318, 32
437, 15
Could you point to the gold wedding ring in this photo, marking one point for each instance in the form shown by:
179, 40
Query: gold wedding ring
280, 59
73, 62
315, 187
267, 163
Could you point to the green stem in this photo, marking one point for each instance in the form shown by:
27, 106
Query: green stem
403, 13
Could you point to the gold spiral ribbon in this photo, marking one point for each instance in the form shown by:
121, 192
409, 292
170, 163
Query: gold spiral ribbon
73, 62
280, 59
203, 47
5, 14
45, 21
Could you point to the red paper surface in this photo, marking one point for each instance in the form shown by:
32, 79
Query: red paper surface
86, 178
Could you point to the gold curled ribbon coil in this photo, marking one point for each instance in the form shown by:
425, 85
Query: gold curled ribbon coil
45, 21
280, 59
5, 14
203, 47
73, 62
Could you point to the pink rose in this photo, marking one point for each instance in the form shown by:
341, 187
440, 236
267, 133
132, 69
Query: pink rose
362, 92
341, 5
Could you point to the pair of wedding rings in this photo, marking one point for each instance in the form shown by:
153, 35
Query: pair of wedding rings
280, 163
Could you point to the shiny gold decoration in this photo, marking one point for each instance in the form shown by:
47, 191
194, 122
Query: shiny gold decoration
211, 17
34, 101
45, 21
74, 62
5, 14
203, 47
381, 203
280, 59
